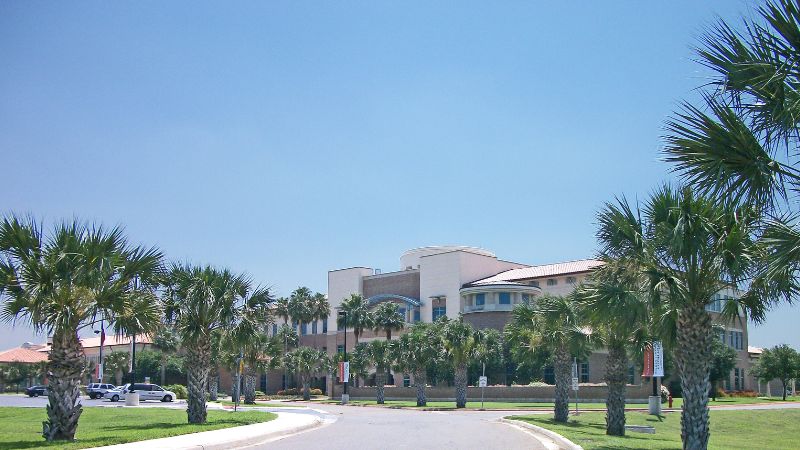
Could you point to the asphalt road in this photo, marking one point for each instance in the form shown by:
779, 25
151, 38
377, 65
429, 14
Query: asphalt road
41, 402
379, 428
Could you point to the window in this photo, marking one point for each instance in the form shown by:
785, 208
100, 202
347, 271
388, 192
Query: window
314, 327
738, 379
406, 381
480, 299
505, 298
439, 311
535, 283
549, 375
340, 348
416, 314
526, 299
402, 312
584, 372
572, 280
552, 282
304, 329
325, 325
737, 340
631, 375
274, 329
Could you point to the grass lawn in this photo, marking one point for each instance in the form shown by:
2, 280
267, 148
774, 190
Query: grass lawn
22, 427
259, 404
544, 405
729, 430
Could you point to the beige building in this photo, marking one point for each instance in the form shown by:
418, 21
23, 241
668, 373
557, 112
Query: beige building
450, 280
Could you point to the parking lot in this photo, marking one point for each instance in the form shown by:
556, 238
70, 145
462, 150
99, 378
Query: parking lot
41, 401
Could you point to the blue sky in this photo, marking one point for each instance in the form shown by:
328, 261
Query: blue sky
285, 139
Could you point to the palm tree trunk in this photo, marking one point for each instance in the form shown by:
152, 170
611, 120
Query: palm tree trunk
380, 381
460, 380
306, 387
66, 370
198, 362
249, 386
213, 386
616, 368
692, 357
420, 378
563, 374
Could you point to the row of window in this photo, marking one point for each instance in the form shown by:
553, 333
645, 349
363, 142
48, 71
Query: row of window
738, 380
554, 281
304, 327
733, 338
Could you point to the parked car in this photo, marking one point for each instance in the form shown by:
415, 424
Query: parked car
97, 390
35, 391
145, 391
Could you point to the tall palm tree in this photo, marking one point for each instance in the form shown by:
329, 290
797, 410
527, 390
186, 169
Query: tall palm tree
320, 307
305, 362
418, 348
381, 356
459, 340
739, 145
248, 336
358, 317
387, 318
61, 283
618, 308
300, 307
556, 324
688, 248
200, 300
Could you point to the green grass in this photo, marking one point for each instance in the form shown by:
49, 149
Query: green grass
258, 404
677, 403
729, 430
22, 427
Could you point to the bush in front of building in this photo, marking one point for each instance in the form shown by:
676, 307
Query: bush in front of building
180, 390
295, 391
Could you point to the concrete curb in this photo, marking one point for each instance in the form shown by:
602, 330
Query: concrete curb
561, 441
245, 436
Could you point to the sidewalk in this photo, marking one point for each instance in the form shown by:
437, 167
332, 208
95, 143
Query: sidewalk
228, 438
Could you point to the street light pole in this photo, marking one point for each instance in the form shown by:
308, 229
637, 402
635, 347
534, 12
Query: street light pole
345, 396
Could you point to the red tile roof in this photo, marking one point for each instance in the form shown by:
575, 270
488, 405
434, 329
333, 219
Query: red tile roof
113, 340
546, 270
22, 355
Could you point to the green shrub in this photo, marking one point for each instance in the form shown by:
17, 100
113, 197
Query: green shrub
260, 394
180, 390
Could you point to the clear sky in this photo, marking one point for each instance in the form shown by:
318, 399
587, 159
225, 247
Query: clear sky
288, 138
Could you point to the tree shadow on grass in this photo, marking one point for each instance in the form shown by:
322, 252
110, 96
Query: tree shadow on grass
8, 445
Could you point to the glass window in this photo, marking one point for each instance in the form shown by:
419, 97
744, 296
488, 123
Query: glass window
737, 340
526, 299
402, 312
304, 329
584, 372
505, 298
480, 299
535, 283
325, 325
552, 282
572, 280
549, 375
340, 348
406, 381
274, 329
314, 327
439, 311
416, 314
631, 375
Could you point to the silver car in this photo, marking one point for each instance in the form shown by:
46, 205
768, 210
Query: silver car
145, 391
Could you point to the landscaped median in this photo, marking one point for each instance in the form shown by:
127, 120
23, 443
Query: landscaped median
729, 430
22, 427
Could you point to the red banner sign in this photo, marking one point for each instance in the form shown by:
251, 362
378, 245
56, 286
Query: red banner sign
648, 362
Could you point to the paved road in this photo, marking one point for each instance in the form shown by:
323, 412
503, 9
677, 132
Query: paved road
41, 402
378, 428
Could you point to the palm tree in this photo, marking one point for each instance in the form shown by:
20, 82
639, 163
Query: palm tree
688, 248
300, 306
358, 316
61, 284
739, 145
418, 348
248, 338
459, 341
200, 300
387, 318
117, 363
555, 324
167, 342
305, 362
380, 355
360, 362
618, 308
